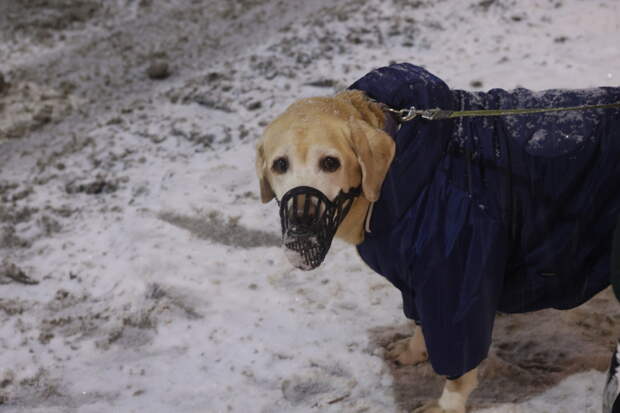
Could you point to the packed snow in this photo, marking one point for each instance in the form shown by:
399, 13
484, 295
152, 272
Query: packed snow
139, 270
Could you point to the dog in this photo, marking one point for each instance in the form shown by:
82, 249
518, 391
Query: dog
466, 216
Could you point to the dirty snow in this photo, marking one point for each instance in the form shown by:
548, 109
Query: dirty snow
139, 270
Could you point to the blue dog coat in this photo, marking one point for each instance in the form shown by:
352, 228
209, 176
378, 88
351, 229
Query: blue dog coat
486, 214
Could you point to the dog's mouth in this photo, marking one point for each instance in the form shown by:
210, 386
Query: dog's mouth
310, 221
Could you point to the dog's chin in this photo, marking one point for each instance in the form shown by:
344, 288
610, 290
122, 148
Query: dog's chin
297, 260
302, 252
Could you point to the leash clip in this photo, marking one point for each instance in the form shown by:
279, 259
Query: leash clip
403, 115
408, 114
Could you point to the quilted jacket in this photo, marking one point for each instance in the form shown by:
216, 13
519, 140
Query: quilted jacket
486, 214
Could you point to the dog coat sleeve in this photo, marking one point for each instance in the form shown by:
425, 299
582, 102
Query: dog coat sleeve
447, 256
456, 263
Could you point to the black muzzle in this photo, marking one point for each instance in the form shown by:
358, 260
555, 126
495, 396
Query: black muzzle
310, 221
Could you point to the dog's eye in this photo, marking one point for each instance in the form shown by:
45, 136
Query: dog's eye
280, 165
329, 164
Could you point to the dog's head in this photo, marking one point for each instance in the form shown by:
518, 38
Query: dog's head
316, 154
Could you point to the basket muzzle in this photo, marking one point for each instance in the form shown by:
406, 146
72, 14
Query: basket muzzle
310, 221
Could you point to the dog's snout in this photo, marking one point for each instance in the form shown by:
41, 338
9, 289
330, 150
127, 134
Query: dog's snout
303, 212
304, 220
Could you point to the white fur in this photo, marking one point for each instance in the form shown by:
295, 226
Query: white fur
452, 401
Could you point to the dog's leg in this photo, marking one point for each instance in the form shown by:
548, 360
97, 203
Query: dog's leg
409, 351
454, 396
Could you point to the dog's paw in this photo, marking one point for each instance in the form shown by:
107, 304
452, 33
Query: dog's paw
434, 407
406, 352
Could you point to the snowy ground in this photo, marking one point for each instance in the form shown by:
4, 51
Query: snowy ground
138, 269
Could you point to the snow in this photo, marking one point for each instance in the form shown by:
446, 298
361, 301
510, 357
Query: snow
537, 139
162, 284
578, 393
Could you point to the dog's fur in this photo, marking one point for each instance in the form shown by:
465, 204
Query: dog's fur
349, 127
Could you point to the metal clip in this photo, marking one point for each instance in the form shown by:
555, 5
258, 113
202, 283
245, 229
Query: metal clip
403, 115
408, 114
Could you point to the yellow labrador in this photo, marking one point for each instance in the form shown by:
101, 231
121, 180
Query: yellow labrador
336, 144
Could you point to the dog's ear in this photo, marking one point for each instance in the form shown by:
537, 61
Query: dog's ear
266, 193
374, 150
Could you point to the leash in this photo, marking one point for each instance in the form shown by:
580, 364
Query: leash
408, 114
